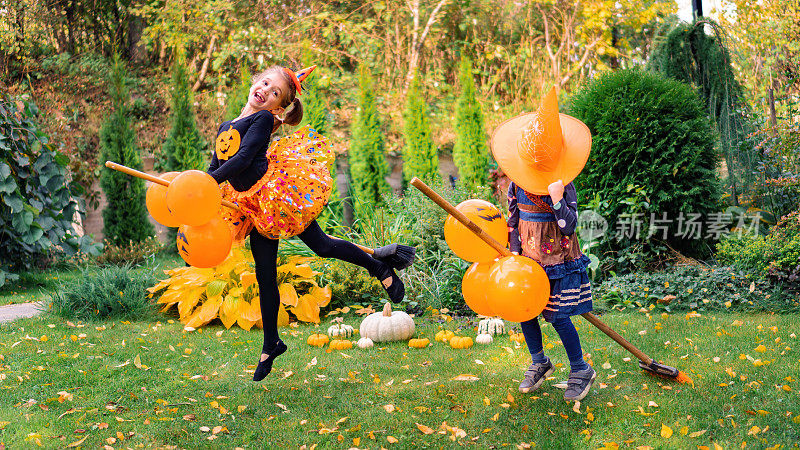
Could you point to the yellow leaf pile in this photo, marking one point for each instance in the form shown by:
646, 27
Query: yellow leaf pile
230, 292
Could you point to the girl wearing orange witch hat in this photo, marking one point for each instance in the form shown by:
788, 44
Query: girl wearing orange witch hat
541, 152
281, 188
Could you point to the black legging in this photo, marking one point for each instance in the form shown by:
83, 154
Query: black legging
265, 253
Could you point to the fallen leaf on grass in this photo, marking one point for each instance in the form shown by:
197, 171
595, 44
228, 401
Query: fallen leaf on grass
424, 429
392, 439
77, 443
465, 377
666, 432
389, 408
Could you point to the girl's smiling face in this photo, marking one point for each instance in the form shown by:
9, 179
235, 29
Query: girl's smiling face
268, 93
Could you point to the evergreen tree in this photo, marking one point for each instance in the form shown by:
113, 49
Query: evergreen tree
185, 148
238, 98
125, 216
315, 110
470, 154
368, 167
420, 158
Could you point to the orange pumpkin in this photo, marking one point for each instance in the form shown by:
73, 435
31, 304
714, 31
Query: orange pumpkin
465, 243
444, 335
340, 344
461, 342
419, 343
318, 340
227, 143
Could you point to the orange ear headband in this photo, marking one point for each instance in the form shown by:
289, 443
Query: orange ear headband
299, 76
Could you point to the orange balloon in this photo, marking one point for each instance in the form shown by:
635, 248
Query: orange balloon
193, 197
464, 243
519, 288
474, 288
156, 200
206, 245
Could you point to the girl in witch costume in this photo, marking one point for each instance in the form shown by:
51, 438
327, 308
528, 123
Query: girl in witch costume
281, 189
540, 152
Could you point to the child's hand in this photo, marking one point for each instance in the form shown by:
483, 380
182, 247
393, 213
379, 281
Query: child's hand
556, 190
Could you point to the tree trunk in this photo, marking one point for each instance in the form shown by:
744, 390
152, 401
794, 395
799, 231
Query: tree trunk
136, 50
204, 68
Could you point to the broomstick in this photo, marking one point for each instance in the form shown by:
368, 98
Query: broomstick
397, 256
645, 362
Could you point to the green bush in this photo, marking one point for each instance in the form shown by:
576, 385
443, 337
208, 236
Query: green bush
132, 253
125, 216
108, 293
38, 203
652, 153
470, 154
775, 256
368, 167
241, 92
185, 148
420, 158
694, 288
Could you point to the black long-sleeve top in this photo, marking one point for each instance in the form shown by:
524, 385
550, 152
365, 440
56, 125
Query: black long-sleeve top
240, 151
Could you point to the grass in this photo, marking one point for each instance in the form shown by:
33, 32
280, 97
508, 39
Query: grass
35, 285
145, 384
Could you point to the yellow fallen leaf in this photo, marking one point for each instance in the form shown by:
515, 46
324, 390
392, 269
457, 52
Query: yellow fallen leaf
77, 443
761, 348
684, 431
389, 408
754, 430
424, 429
737, 323
392, 439
465, 377
697, 433
137, 361
486, 401
666, 432
241, 408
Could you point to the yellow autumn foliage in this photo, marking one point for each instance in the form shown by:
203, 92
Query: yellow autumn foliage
230, 292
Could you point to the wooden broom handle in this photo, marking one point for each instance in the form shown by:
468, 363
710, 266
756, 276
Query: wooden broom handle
591, 318
163, 182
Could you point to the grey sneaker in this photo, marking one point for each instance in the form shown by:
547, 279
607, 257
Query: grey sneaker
579, 384
535, 375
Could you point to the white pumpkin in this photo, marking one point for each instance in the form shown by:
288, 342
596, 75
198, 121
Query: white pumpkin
365, 342
387, 325
484, 339
492, 326
340, 330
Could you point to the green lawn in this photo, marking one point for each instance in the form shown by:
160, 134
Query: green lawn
153, 384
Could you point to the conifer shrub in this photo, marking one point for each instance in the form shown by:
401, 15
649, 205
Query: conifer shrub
470, 153
652, 153
185, 148
108, 293
125, 218
420, 158
368, 166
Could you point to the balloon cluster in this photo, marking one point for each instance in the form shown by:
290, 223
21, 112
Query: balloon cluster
192, 202
515, 288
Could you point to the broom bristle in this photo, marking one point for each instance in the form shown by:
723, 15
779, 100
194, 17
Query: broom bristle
396, 255
684, 379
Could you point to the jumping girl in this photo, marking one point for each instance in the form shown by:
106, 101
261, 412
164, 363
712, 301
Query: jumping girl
281, 189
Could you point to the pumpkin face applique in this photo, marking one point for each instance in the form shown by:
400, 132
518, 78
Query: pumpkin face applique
227, 143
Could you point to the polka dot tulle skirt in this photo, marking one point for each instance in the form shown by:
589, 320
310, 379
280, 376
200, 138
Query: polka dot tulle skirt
291, 194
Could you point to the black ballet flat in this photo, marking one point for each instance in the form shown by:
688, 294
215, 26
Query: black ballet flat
397, 290
265, 366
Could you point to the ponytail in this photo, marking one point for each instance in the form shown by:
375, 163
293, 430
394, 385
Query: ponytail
295, 114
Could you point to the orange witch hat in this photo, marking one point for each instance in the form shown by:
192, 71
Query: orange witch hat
298, 77
538, 148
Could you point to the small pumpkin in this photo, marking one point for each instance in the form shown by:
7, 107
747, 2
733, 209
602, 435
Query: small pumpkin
461, 342
317, 340
419, 343
484, 338
444, 335
340, 344
340, 330
518, 337
491, 326
365, 342
387, 325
